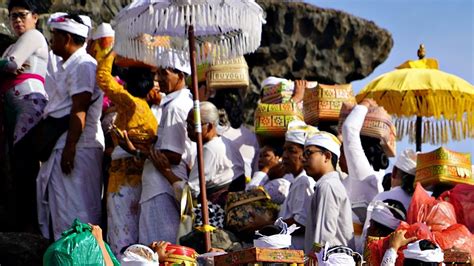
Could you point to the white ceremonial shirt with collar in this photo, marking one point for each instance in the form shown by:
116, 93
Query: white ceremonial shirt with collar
65, 79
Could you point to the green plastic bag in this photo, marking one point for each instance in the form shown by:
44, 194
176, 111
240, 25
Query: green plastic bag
77, 246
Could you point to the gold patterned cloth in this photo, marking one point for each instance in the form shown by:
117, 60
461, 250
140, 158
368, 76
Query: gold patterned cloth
133, 115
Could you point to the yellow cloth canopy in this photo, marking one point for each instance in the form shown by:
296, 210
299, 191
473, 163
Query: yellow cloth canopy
418, 88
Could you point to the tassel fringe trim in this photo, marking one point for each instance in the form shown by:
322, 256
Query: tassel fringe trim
232, 27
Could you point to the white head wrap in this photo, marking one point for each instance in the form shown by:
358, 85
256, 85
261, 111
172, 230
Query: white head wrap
132, 257
381, 214
60, 22
297, 131
272, 81
335, 258
175, 61
278, 241
104, 30
325, 140
406, 161
413, 251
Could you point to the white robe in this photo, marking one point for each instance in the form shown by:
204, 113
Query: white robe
67, 197
330, 217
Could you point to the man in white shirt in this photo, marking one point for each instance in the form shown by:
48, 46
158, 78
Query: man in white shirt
69, 182
223, 164
159, 211
329, 219
296, 205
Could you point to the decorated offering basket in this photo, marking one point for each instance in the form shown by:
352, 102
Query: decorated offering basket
377, 124
225, 74
443, 166
259, 256
324, 102
181, 256
273, 119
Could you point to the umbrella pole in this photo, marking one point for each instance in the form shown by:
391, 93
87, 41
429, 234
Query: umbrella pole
418, 133
197, 121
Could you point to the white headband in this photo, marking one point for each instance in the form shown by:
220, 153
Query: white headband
272, 81
335, 256
104, 30
297, 132
70, 25
406, 161
382, 215
325, 140
413, 251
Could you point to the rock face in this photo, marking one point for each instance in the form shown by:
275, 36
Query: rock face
298, 41
301, 41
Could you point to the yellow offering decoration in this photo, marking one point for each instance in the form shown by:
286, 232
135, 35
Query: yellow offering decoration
444, 166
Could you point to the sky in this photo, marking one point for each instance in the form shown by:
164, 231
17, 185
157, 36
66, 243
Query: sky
445, 27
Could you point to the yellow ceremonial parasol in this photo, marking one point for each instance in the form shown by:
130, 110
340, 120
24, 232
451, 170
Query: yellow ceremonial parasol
418, 88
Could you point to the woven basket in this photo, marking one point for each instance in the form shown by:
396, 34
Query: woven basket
227, 74
324, 102
443, 166
273, 119
377, 124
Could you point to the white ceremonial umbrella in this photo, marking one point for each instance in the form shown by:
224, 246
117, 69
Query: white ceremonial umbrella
200, 31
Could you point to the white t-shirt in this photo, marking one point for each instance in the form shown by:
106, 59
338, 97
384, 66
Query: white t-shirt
222, 164
247, 144
172, 136
65, 79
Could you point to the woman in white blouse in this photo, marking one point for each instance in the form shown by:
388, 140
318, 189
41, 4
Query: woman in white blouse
22, 72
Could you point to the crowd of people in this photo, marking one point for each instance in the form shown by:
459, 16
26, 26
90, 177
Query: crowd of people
93, 140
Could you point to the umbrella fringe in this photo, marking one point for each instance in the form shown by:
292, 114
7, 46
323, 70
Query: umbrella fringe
232, 19
435, 132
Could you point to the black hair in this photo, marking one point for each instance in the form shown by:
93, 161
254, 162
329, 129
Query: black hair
139, 81
424, 245
397, 209
276, 149
275, 143
26, 4
380, 230
269, 230
328, 126
334, 157
374, 152
231, 101
407, 181
387, 182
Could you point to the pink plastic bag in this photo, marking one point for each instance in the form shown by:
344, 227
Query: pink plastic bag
437, 214
462, 198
